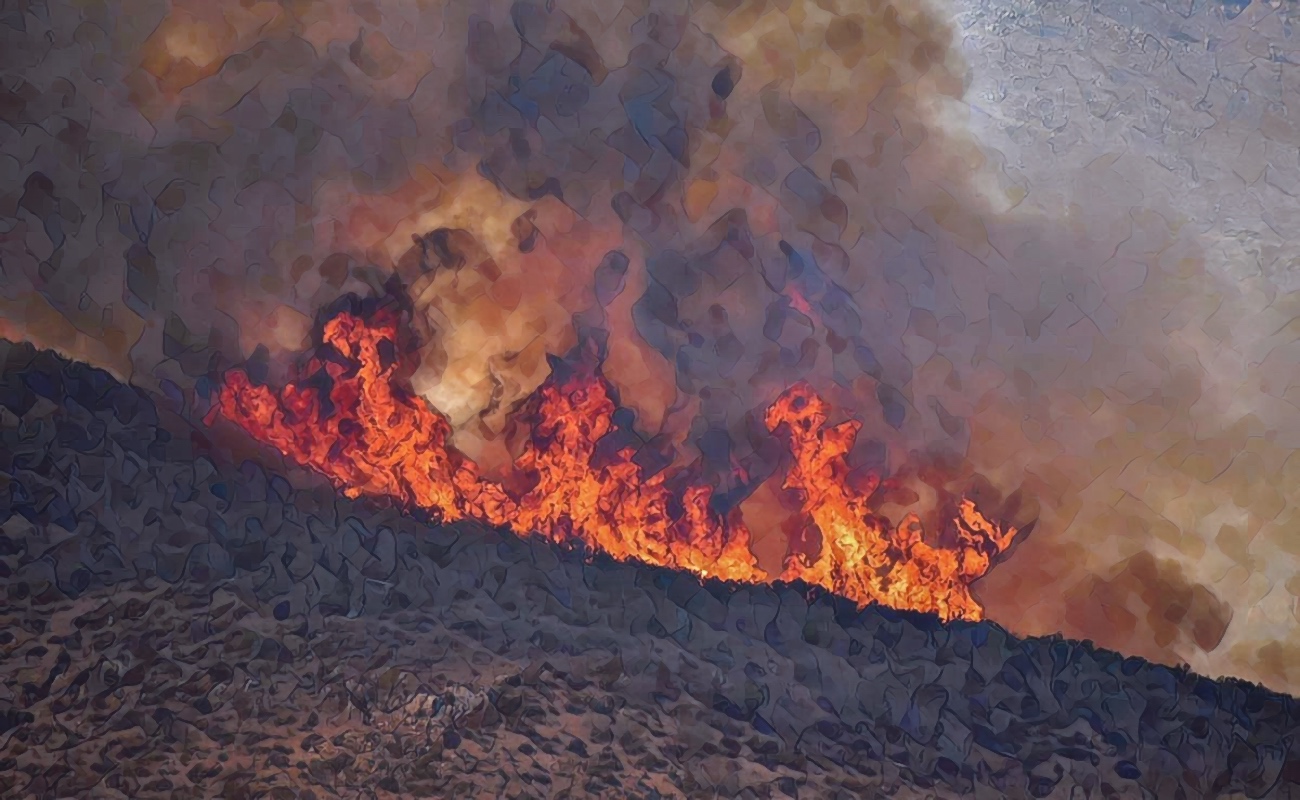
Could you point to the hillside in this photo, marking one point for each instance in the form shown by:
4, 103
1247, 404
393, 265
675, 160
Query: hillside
183, 618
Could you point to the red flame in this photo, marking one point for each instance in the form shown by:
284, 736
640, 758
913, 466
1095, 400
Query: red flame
374, 440
374, 437
861, 556
610, 506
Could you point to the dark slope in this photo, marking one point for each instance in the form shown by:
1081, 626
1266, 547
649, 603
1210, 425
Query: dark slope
177, 622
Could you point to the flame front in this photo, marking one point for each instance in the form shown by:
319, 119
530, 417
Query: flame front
609, 505
861, 556
350, 419
371, 438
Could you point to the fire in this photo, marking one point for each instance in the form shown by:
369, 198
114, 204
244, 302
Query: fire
371, 438
351, 418
606, 503
861, 556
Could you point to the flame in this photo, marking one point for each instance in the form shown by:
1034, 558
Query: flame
372, 439
861, 556
353, 420
608, 505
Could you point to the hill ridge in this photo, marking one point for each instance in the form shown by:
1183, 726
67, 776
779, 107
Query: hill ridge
109, 498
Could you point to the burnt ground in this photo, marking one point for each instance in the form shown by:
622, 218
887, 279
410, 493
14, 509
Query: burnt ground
177, 621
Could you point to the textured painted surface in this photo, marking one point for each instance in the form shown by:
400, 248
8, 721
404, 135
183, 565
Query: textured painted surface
1186, 439
1048, 244
178, 623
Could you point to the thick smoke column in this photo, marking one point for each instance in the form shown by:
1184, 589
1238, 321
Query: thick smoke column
740, 193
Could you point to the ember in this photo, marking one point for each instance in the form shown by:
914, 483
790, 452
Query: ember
351, 419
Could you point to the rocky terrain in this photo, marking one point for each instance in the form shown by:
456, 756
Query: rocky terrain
178, 621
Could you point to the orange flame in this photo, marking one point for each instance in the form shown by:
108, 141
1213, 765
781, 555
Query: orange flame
374, 437
610, 506
375, 440
860, 556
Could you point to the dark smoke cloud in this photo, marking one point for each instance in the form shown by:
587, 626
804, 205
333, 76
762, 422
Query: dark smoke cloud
740, 193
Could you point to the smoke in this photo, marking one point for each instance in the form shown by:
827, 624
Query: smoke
741, 193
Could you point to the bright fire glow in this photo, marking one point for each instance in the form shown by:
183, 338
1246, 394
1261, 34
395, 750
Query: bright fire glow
350, 418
